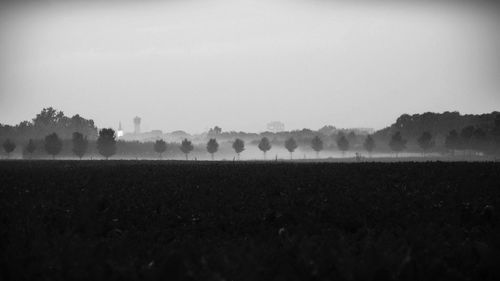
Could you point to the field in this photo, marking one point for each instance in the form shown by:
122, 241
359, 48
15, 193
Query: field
155, 220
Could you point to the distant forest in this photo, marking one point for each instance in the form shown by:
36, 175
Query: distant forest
443, 133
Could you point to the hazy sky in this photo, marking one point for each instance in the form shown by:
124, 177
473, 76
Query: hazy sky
193, 64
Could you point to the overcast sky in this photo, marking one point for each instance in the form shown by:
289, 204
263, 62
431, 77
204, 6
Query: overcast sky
239, 64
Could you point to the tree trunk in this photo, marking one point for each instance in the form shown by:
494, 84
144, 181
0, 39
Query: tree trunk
186, 156
291, 155
212, 155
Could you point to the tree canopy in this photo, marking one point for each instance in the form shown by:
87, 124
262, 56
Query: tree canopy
212, 147
9, 146
160, 146
106, 142
53, 144
238, 146
186, 147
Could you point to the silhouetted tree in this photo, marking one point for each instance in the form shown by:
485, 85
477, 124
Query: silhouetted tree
317, 145
80, 144
264, 145
106, 142
30, 147
238, 146
291, 145
342, 144
186, 147
8, 146
369, 144
53, 144
496, 133
160, 146
397, 143
212, 147
479, 140
466, 138
425, 142
452, 141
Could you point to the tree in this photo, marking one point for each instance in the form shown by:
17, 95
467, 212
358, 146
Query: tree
397, 143
291, 145
31, 147
238, 146
8, 146
186, 147
53, 144
264, 145
160, 146
369, 144
425, 142
452, 141
466, 135
106, 142
212, 147
496, 133
317, 145
80, 144
479, 140
342, 143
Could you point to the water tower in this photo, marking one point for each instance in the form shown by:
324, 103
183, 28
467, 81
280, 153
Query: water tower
137, 125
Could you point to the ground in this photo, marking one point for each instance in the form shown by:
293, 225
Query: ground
167, 220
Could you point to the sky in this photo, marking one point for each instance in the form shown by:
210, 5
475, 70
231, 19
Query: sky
239, 64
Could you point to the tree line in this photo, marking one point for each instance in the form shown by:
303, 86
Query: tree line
468, 139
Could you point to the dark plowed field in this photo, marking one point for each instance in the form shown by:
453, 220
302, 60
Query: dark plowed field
127, 220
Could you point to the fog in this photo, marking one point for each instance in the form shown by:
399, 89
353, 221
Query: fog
239, 64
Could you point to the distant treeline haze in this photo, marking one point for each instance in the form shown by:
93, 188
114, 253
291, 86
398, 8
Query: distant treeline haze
52, 134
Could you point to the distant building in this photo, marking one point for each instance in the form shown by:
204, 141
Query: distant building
119, 134
275, 126
137, 125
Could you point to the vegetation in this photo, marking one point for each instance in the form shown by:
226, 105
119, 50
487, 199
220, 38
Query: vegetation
108, 220
48, 121
160, 146
369, 144
212, 147
80, 144
317, 145
342, 144
186, 147
264, 145
238, 146
452, 142
291, 145
30, 147
397, 143
425, 142
9, 146
106, 143
53, 145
